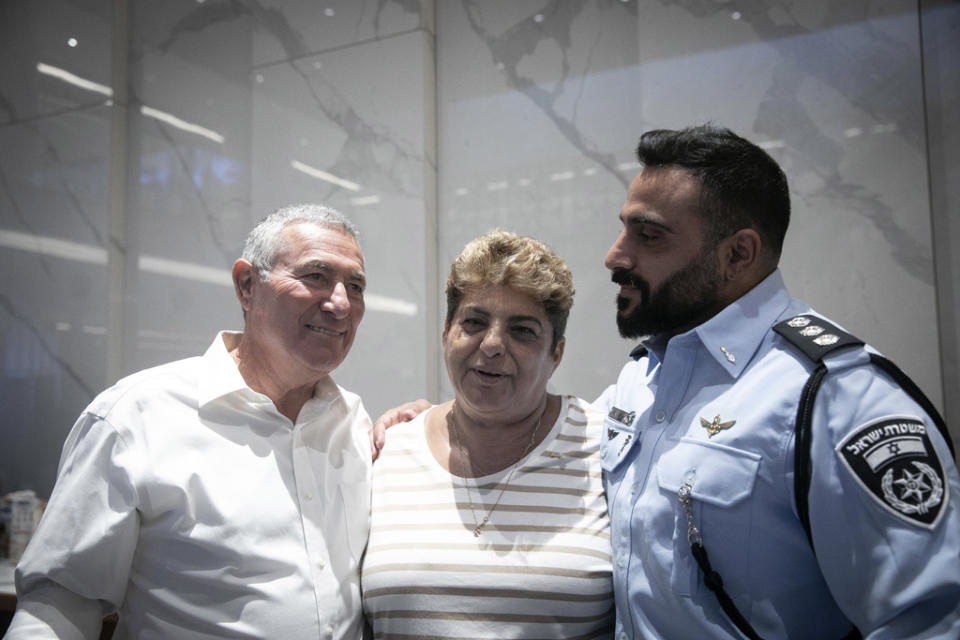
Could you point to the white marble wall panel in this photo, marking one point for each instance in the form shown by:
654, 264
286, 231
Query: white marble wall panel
833, 90
188, 203
940, 22
53, 230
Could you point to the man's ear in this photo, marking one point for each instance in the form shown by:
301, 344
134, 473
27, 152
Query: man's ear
740, 254
244, 277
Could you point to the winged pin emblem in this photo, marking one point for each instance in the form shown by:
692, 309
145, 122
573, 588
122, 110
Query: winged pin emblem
715, 427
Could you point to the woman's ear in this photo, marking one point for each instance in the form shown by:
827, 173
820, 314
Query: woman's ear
558, 353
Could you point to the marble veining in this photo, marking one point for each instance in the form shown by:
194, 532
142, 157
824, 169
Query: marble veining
510, 48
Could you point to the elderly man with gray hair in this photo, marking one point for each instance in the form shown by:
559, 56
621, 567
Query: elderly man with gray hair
226, 495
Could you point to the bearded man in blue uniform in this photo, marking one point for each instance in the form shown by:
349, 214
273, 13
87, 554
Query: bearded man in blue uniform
700, 442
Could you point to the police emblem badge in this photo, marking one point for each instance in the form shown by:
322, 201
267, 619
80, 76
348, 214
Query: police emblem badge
894, 460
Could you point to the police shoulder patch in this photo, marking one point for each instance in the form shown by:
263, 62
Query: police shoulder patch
893, 460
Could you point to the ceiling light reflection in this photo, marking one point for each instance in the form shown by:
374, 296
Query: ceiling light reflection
363, 201
181, 124
96, 87
323, 175
75, 80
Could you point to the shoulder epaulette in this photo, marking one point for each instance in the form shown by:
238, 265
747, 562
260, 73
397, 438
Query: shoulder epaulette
814, 336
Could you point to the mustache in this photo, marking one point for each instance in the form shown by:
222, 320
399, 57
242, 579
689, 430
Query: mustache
625, 278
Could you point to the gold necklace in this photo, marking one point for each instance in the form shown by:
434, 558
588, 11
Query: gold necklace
480, 524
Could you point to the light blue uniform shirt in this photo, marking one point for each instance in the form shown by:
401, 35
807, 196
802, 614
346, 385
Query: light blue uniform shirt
891, 576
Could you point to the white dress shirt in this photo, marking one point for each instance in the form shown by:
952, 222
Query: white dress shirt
189, 504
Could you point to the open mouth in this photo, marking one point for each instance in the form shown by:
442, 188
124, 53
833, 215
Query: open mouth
488, 374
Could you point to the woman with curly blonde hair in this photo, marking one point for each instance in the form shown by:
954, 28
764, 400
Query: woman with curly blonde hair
488, 514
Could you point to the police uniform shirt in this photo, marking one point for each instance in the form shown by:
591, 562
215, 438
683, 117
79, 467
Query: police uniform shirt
714, 409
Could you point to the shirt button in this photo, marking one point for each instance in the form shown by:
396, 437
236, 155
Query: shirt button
623, 636
634, 488
321, 564
622, 560
308, 496
661, 416
329, 631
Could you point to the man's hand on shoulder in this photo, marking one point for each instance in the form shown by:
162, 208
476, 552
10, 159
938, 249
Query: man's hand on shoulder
403, 413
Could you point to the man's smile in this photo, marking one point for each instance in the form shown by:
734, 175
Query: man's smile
323, 330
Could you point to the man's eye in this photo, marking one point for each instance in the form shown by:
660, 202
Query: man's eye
356, 288
525, 332
472, 323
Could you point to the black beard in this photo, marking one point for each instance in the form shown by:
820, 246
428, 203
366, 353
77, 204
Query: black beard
685, 299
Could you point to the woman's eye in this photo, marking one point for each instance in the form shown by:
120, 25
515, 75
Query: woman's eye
525, 332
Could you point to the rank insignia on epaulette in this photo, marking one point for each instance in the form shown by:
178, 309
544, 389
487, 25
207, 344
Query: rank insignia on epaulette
893, 459
816, 337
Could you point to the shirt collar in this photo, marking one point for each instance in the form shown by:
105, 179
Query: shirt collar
221, 376
732, 336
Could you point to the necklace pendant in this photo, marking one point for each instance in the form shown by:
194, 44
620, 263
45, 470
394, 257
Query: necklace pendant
479, 528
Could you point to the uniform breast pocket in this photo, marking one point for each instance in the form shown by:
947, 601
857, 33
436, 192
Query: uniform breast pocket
722, 480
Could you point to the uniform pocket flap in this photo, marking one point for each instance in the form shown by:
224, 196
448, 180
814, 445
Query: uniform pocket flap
719, 475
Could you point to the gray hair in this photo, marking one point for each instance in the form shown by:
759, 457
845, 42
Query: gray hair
264, 242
